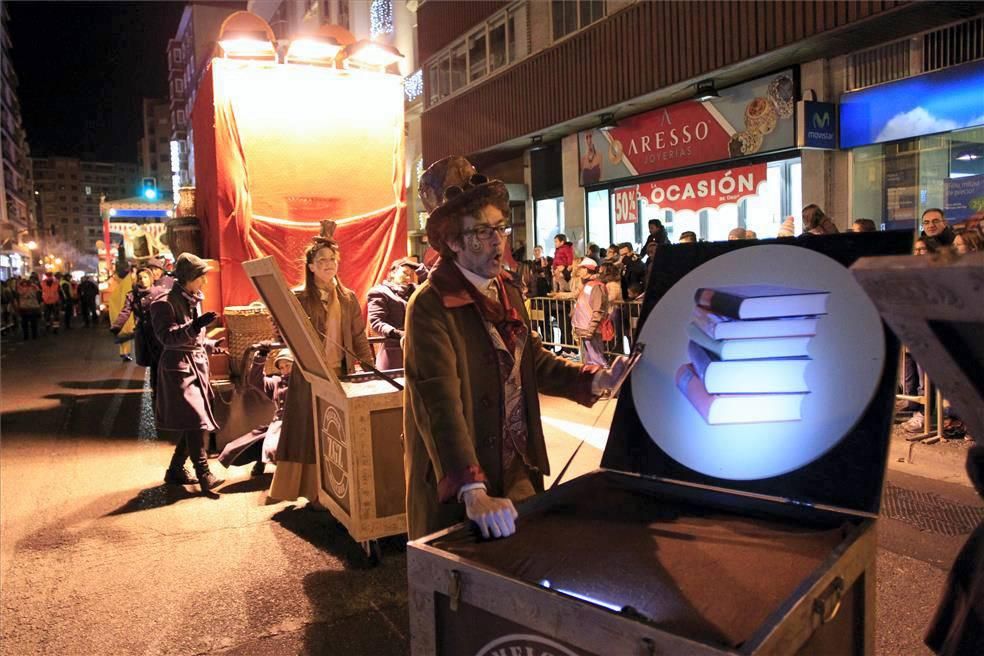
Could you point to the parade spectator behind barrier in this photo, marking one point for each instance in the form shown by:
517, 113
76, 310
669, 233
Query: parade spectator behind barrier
788, 227
657, 235
751, 234
259, 446
8, 291
611, 254
968, 241
863, 225
474, 442
594, 253
27, 302
137, 304
184, 395
590, 310
388, 310
936, 230
736, 234
913, 373
563, 258
633, 269
51, 297
688, 237
336, 316
815, 222
89, 301
541, 267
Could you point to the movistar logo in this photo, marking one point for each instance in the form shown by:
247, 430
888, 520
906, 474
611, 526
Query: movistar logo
821, 121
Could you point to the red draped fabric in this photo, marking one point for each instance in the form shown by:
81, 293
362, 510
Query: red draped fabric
278, 148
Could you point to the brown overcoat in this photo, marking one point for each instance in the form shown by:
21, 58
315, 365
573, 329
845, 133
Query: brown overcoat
453, 403
184, 396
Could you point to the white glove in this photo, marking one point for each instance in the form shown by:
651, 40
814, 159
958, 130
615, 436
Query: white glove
495, 516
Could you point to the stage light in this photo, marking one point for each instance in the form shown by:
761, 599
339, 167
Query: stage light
150, 194
314, 50
371, 54
31, 245
608, 122
247, 36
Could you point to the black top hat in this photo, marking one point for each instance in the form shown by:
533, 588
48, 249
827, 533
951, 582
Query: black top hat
461, 196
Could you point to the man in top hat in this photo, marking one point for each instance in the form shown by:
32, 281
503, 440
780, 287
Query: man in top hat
474, 442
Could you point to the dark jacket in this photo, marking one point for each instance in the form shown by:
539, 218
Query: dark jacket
945, 238
454, 400
184, 396
387, 316
88, 291
633, 273
542, 276
146, 345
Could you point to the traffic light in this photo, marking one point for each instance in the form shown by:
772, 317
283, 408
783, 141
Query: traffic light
148, 188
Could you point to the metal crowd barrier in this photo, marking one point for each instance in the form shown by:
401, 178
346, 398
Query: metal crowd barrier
551, 319
929, 391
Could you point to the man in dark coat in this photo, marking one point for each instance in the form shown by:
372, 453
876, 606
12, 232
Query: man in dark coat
388, 311
184, 395
633, 269
474, 442
88, 295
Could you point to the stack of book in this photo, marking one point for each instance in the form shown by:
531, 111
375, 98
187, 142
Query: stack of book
748, 352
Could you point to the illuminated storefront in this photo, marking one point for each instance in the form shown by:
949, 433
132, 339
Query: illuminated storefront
705, 166
917, 143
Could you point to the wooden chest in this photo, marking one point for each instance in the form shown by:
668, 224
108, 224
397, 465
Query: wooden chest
748, 536
358, 425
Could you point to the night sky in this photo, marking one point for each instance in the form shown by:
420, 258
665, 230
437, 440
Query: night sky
84, 68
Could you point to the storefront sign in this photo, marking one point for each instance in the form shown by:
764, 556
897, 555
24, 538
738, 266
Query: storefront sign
700, 192
748, 119
964, 198
816, 125
943, 101
626, 205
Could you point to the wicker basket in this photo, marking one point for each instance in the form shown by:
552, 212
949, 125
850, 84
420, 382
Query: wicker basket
246, 325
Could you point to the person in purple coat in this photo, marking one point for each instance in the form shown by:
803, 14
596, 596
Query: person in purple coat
184, 395
388, 310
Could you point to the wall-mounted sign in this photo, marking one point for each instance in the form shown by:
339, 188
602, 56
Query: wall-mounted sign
964, 198
949, 99
748, 119
816, 125
703, 191
627, 205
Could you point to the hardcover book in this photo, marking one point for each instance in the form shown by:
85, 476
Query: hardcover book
737, 408
762, 301
716, 326
778, 375
751, 349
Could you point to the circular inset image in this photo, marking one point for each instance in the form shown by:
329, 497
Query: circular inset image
760, 115
770, 409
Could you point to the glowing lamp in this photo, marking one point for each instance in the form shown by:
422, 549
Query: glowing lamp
112, 212
314, 50
247, 36
150, 194
31, 245
371, 54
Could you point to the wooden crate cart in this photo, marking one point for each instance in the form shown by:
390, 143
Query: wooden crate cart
743, 535
358, 422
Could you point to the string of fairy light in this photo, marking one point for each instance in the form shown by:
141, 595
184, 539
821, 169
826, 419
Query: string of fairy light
380, 17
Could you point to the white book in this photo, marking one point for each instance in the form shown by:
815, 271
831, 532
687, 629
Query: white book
718, 327
750, 349
737, 408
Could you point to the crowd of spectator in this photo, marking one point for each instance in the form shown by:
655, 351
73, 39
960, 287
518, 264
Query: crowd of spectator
45, 305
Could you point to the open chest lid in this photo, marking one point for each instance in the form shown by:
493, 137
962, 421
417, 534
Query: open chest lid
291, 320
785, 388
934, 305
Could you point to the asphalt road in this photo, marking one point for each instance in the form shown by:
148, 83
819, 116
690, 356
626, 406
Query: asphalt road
97, 557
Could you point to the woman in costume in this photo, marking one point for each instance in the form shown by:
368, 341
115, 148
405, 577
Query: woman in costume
336, 316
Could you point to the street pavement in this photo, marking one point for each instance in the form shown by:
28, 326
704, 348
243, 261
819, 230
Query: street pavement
98, 557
